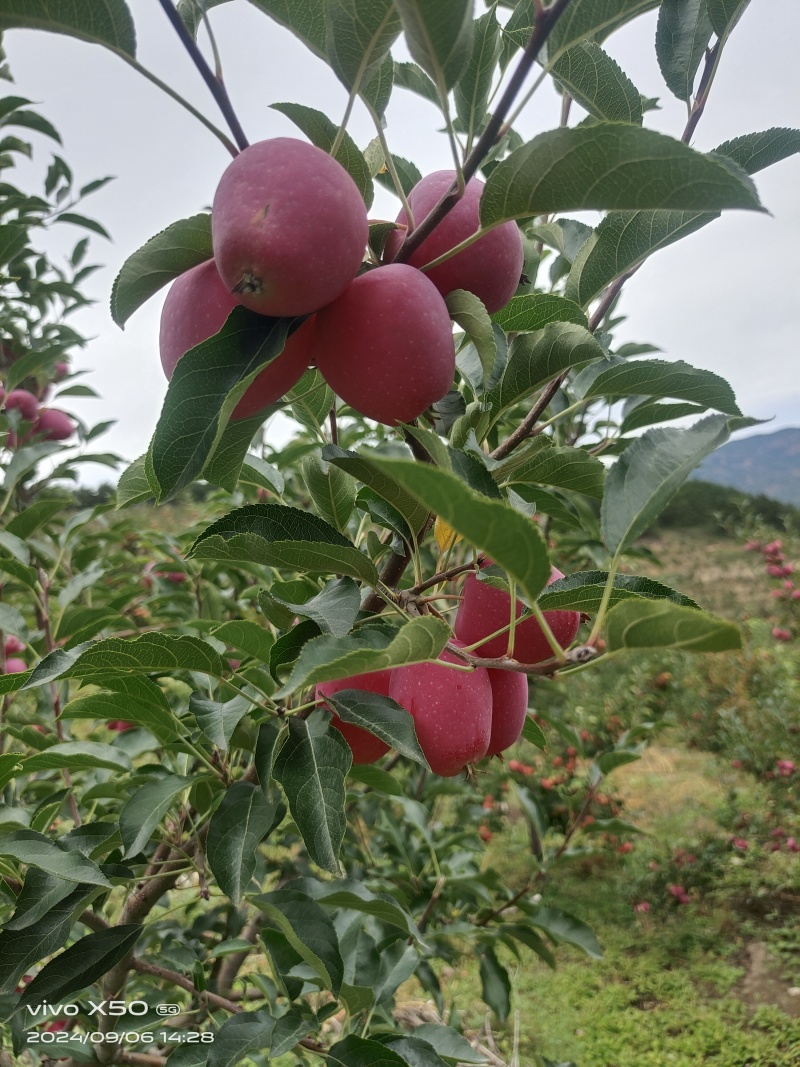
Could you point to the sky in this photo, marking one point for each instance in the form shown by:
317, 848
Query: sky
724, 299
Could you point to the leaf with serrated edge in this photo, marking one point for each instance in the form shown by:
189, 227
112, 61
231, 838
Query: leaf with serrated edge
512, 540
661, 624
236, 829
146, 808
108, 24
598, 84
584, 592
326, 659
310, 932
333, 609
682, 35
439, 36
79, 755
250, 1031
36, 850
311, 767
548, 464
172, 252
533, 311
468, 312
610, 166
360, 467
661, 378
381, 716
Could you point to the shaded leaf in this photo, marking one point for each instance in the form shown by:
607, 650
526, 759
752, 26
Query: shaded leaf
236, 829
661, 624
81, 965
683, 32
146, 808
381, 716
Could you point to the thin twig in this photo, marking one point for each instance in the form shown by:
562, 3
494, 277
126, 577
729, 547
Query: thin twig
218, 90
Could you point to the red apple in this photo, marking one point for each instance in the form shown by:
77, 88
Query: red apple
452, 711
366, 747
386, 345
13, 645
24, 402
54, 425
196, 308
15, 666
485, 609
289, 227
509, 708
490, 268
120, 725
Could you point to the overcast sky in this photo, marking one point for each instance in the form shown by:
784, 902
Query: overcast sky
725, 298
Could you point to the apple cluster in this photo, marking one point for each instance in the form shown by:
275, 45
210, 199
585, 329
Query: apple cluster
289, 230
462, 716
32, 419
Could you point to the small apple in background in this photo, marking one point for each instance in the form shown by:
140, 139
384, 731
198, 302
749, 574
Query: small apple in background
509, 708
485, 609
22, 401
289, 227
13, 646
452, 711
385, 346
490, 268
54, 425
15, 666
120, 725
366, 747
196, 308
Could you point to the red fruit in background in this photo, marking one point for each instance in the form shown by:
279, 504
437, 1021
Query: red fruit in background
54, 425
196, 308
120, 725
509, 708
485, 609
176, 577
23, 402
490, 268
289, 227
485, 833
60, 371
452, 711
366, 747
15, 666
386, 345
13, 645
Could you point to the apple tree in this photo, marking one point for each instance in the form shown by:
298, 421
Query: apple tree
243, 765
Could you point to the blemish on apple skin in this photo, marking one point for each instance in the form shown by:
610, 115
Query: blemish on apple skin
248, 283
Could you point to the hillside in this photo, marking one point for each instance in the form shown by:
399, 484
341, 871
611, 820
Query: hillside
766, 464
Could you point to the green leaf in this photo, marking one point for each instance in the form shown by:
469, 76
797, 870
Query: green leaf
311, 400
407, 173
309, 931
542, 462
217, 720
356, 1051
584, 592
649, 413
724, 14
410, 76
534, 359
661, 624
36, 850
159, 720
327, 659
225, 465
236, 829
649, 472
305, 18
333, 609
191, 11
512, 540
495, 984
40, 893
248, 637
534, 311
10, 764
449, 1043
475, 82
321, 131
84, 222
596, 82
468, 312
439, 37
657, 377
593, 19
378, 90
412, 1051
682, 36
256, 471
34, 517
533, 733
358, 38
79, 755
113, 656
376, 779
163, 258
208, 382
145, 809
81, 965
109, 23
332, 490
754, 152
564, 928
381, 716
250, 1031
133, 486
610, 166
280, 536
311, 767
12, 621
363, 469
354, 896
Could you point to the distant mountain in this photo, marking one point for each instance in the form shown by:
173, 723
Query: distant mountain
767, 464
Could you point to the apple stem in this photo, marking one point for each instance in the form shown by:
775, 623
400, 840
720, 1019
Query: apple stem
217, 88
489, 137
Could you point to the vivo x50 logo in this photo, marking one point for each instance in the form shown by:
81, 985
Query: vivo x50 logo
102, 1007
